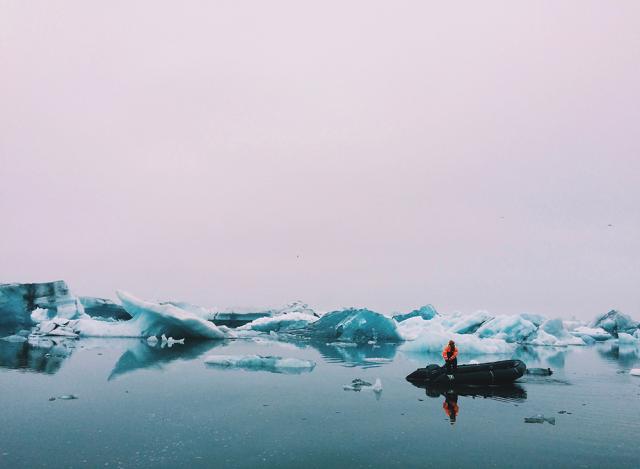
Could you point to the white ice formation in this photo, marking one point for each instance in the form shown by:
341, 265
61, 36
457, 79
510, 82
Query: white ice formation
281, 323
626, 339
148, 319
596, 333
273, 364
480, 333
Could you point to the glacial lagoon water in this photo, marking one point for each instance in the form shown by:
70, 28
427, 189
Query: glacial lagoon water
142, 406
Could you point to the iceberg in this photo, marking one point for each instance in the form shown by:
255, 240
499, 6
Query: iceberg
437, 337
553, 333
626, 339
235, 318
148, 319
467, 324
535, 319
18, 300
635, 372
200, 311
614, 322
272, 364
281, 323
354, 325
296, 306
596, 333
512, 328
411, 329
103, 308
425, 312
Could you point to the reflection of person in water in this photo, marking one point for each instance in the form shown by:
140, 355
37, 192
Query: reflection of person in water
450, 406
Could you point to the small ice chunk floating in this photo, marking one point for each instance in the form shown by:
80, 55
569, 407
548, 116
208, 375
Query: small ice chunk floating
269, 363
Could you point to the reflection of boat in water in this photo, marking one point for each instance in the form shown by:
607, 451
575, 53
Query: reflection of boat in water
504, 392
511, 392
501, 372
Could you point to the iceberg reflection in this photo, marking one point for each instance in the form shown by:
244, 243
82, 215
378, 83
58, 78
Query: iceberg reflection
38, 355
142, 355
350, 354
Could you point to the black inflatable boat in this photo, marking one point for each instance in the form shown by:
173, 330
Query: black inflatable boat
506, 371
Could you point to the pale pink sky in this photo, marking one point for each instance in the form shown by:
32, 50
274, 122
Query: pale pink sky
381, 154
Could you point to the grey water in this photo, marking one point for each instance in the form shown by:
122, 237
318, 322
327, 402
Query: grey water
142, 406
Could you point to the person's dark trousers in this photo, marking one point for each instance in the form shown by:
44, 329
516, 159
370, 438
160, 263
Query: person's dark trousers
452, 365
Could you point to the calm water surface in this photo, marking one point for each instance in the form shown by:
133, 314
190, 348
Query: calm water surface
139, 406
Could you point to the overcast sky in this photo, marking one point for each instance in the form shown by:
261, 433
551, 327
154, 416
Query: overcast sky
383, 154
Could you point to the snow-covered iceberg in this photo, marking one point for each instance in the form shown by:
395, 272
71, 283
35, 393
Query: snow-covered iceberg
271, 364
425, 312
354, 325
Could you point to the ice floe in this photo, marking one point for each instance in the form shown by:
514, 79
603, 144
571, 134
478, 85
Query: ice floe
358, 385
540, 419
273, 364
635, 372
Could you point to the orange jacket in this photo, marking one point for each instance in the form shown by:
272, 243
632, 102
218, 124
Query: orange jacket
449, 409
453, 355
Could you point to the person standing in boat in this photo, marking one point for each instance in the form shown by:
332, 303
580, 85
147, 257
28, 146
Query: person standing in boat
450, 355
